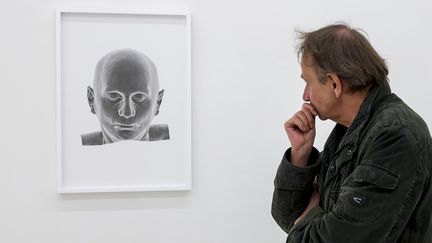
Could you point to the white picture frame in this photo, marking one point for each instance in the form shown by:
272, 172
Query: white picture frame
83, 37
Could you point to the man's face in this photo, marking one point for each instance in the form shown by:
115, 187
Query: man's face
125, 101
320, 95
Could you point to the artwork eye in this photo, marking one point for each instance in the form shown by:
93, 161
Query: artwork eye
114, 96
138, 97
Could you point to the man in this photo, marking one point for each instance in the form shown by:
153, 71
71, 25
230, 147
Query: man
125, 98
371, 183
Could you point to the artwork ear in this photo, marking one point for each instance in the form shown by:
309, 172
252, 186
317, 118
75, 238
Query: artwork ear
159, 101
90, 99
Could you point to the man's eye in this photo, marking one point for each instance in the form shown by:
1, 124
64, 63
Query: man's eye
138, 97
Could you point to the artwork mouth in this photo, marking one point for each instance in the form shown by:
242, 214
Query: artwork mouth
120, 126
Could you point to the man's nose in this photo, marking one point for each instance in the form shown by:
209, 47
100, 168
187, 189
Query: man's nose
127, 110
306, 95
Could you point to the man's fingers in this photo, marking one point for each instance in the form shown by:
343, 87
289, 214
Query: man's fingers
310, 113
310, 119
297, 123
311, 108
304, 119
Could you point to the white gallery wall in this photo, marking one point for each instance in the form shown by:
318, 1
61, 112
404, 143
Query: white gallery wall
245, 84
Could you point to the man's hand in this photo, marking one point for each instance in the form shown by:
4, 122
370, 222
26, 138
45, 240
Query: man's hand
300, 129
313, 202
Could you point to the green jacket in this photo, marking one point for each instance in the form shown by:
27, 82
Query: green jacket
373, 177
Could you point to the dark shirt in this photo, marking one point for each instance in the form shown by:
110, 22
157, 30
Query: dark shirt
373, 178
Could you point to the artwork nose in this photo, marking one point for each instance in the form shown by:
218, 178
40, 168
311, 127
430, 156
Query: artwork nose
127, 110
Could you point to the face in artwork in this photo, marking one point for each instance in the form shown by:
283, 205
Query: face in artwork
125, 95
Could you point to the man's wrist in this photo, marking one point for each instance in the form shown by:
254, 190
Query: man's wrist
299, 157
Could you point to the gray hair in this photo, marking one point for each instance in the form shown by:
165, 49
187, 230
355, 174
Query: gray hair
344, 51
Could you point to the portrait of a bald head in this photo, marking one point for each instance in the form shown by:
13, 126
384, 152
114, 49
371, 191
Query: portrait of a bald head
125, 98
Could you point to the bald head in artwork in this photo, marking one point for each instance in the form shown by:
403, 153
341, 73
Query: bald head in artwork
125, 96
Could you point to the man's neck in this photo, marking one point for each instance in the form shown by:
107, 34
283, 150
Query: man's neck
350, 106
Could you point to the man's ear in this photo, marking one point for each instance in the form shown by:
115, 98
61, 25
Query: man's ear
90, 99
336, 84
159, 101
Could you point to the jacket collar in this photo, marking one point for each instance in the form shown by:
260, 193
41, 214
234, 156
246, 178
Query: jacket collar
374, 97
343, 138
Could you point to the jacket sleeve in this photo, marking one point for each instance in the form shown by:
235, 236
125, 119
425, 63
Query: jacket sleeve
293, 187
377, 198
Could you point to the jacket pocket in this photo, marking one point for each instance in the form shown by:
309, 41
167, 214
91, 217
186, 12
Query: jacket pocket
364, 193
379, 176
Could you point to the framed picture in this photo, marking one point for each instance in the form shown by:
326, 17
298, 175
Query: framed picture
123, 101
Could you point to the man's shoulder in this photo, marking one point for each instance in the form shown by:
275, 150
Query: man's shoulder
393, 117
93, 138
159, 132
394, 112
